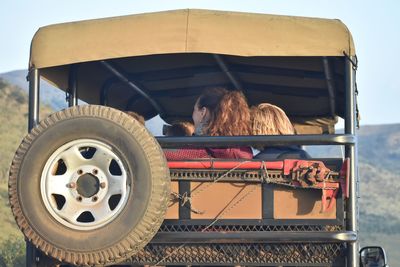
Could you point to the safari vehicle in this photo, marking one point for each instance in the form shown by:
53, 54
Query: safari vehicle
90, 186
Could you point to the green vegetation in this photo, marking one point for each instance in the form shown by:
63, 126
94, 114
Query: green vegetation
379, 198
12, 244
8, 228
13, 103
12, 252
13, 122
13, 127
379, 146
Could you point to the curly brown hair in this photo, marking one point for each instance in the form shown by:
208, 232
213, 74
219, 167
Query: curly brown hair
229, 112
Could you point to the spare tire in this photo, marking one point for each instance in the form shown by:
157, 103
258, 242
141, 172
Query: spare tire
89, 185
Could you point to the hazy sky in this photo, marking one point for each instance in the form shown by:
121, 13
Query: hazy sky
374, 25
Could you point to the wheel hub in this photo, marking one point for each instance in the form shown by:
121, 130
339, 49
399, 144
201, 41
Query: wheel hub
86, 194
87, 185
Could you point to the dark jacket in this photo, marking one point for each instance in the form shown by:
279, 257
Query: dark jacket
287, 152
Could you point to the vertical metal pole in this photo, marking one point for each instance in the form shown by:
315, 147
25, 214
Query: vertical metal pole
73, 85
34, 88
351, 152
33, 120
330, 84
104, 92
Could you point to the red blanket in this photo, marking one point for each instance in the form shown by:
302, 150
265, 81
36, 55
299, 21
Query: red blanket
201, 153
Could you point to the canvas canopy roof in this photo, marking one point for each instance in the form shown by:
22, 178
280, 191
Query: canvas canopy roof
189, 31
172, 55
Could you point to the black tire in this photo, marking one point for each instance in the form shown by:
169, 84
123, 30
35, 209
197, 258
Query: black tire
145, 200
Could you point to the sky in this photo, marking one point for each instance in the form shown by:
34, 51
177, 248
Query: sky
374, 26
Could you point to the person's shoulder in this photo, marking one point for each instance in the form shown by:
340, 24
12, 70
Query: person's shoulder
267, 154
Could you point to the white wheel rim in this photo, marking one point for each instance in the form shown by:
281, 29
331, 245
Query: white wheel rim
84, 184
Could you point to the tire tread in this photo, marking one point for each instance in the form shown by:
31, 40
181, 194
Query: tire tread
154, 214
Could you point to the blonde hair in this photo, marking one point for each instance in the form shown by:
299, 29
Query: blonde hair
268, 119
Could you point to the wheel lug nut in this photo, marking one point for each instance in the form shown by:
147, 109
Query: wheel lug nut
71, 185
102, 185
94, 171
95, 198
79, 198
79, 172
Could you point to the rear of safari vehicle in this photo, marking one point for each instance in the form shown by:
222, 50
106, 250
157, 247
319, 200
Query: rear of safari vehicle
89, 185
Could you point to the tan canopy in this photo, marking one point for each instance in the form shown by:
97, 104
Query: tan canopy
189, 31
174, 55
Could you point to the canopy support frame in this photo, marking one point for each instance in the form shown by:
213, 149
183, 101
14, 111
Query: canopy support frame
224, 67
104, 91
351, 152
73, 85
114, 70
32, 253
34, 90
330, 82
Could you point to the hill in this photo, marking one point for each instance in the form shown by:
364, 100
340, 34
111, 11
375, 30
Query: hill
49, 95
13, 126
379, 145
13, 122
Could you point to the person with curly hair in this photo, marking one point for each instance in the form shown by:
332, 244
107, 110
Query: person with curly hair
217, 112
268, 119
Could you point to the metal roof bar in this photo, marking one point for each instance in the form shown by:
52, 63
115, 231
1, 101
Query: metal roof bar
113, 69
225, 69
257, 140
